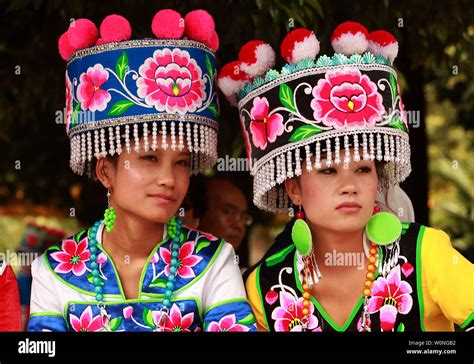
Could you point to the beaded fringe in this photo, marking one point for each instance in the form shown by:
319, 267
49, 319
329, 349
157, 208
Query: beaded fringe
276, 167
199, 139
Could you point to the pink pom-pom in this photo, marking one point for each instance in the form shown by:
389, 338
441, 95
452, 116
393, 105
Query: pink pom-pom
257, 57
384, 43
214, 42
167, 24
100, 41
299, 44
65, 49
199, 26
82, 33
231, 80
350, 38
115, 28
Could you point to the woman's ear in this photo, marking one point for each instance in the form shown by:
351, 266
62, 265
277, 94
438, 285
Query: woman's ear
294, 190
103, 171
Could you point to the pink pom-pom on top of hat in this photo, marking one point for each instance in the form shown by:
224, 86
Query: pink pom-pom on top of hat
214, 42
168, 24
82, 33
115, 28
231, 80
199, 26
350, 38
299, 44
384, 43
256, 57
65, 49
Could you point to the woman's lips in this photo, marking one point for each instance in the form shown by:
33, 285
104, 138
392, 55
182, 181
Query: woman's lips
163, 199
349, 207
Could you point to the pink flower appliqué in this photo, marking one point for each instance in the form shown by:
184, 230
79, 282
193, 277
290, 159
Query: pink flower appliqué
345, 98
186, 260
72, 257
289, 314
227, 323
177, 323
171, 81
264, 128
390, 296
68, 110
86, 323
89, 93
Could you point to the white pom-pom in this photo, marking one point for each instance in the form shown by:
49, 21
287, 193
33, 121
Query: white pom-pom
384, 43
350, 38
256, 58
299, 44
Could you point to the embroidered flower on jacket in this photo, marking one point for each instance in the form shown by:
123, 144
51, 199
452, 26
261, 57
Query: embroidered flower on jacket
72, 257
186, 260
227, 323
87, 323
289, 315
263, 127
345, 99
174, 321
89, 93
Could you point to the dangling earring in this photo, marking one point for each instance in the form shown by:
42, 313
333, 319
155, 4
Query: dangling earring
301, 235
109, 215
377, 209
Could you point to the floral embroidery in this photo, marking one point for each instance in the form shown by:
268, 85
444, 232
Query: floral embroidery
89, 93
68, 100
289, 314
345, 98
177, 323
264, 127
390, 296
227, 323
72, 257
171, 81
87, 323
186, 260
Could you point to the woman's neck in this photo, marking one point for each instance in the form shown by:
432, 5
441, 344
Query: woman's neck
132, 236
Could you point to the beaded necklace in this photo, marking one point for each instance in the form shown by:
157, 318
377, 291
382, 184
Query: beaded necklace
173, 230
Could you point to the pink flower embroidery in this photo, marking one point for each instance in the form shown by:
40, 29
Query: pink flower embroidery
128, 312
186, 260
390, 296
89, 93
345, 98
289, 314
264, 128
403, 113
68, 110
227, 323
171, 81
248, 146
86, 323
72, 257
177, 323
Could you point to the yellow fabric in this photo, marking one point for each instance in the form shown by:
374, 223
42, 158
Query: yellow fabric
255, 301
447, 283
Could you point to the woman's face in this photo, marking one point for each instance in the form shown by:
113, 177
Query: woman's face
150, 185
338, 198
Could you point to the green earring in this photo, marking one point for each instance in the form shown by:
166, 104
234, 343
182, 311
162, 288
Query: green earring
109, 215
384, 228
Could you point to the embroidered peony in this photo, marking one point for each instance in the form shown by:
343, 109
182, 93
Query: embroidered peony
89, 93
264, 128
289, 314
186, 260
72, 257
345, 99
171, 81
68, 110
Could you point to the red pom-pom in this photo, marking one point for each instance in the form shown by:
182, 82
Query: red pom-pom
231, 80
100, 41
214, 42
199, 26
168, 24
384, 43
82, 33
257, 57
299, 44
350, 38
115, 28
65, 49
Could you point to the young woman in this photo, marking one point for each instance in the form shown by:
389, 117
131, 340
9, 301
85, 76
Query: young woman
140, 269
325, 136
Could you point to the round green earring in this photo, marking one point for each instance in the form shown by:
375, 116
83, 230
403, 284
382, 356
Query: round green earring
384, 228
109, 215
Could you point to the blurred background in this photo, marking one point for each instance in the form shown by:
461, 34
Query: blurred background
434, 67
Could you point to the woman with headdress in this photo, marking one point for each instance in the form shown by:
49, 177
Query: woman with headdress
325, 135
141, 116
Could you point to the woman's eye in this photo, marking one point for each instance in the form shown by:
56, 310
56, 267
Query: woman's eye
327, 171
150, 158
365, 169
183, 162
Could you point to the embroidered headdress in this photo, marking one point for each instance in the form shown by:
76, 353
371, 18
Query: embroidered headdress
318, 105
119, 90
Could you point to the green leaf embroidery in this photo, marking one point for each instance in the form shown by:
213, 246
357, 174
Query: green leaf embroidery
74, 114
393, 83
54, 247
210, 70
120, 107
158, 282
401, 327
77, 236
247, 320
396, 123
213, 109
280, 256
148, 318
286, 97
122, 66
202, 244
304, 132
90, 278
182, 238
115, 323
